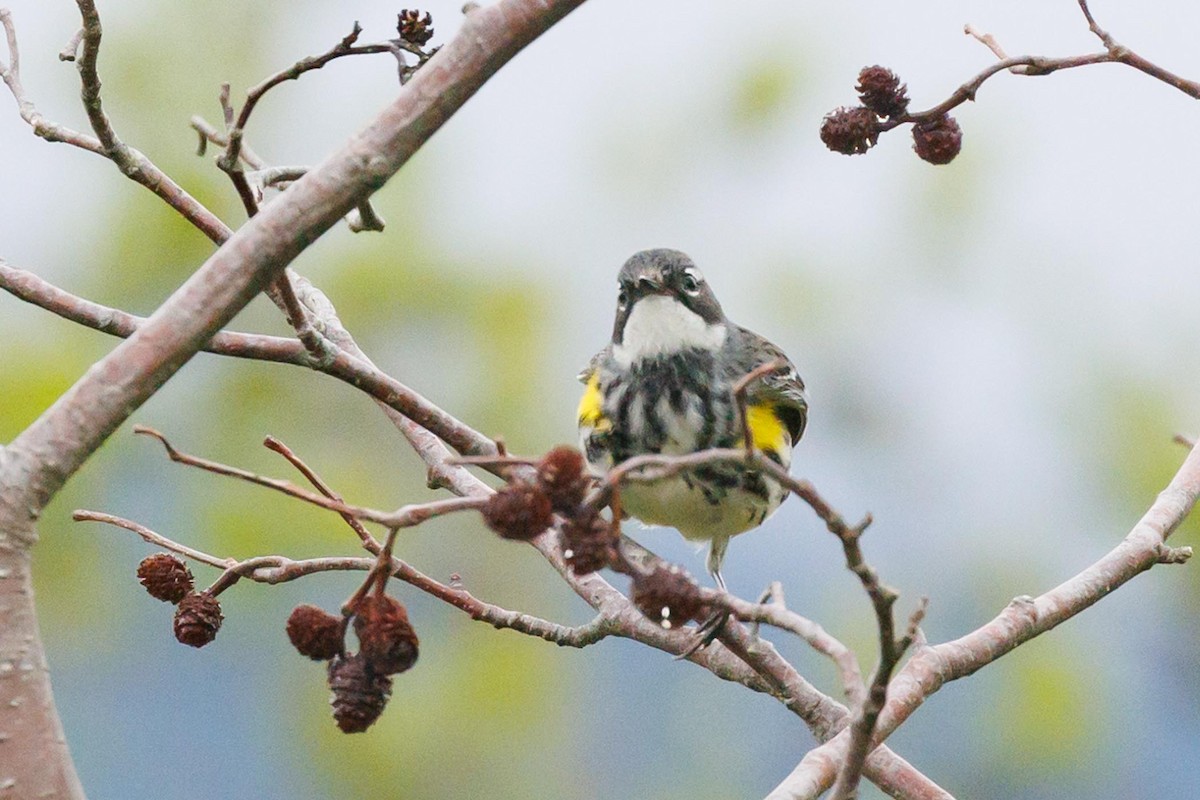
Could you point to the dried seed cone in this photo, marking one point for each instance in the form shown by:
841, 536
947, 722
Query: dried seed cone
315, 632
386, 639
881, 91
668, 595
850, 131
359, 693
561, 476
197, 619
413, 27
518, 511
589, 542
165, 577
937, 142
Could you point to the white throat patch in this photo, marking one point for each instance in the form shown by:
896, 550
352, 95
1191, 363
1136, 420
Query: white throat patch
661, 325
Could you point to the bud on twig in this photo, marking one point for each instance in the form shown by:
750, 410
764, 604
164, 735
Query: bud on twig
198, 619
668, 595
314, 632
165, 577
518, 511
387, 641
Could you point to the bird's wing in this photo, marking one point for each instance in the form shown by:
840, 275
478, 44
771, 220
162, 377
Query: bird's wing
591, 405
782, 389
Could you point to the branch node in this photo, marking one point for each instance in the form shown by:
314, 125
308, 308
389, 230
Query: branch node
71, 51
1173, 555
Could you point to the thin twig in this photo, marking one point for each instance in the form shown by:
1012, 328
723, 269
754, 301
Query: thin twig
42, 127
403, 517
862, 727
236, 131
1114, 53
321, 349
83, 515
345, 365
739, 396
1024, 618
279, 569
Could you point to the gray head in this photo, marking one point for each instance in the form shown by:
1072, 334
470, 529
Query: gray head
664, 273
664, 306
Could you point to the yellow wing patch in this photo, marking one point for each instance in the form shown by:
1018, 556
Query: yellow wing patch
766, 429
591, 406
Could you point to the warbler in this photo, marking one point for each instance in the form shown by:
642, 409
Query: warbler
665, 384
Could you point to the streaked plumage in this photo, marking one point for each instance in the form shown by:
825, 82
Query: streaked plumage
665, 385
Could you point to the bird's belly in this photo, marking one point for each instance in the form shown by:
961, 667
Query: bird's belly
700, 511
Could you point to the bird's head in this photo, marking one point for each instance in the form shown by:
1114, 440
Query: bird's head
664, 306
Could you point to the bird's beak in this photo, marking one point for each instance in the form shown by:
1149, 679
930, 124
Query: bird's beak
650, 283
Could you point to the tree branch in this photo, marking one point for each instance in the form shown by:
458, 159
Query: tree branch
279, 569
42, 127
36, 464
1114, 53
343, 363
404, 517
930, 668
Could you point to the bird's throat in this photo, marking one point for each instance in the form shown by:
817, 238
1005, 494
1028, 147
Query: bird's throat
660, 325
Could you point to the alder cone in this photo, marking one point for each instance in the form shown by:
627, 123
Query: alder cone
197, 619
359, 693
881, 91
589, 542
314, 632
668, 595
937, 142
387, 641
561, 475
165, 577
413, 27
518, 511
850, 131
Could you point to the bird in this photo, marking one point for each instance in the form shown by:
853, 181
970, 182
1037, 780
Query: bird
665, 384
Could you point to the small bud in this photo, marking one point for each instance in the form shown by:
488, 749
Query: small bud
386, 639
518, 511
850, 131
414, 28
668, 595
937, 142
589, 542
881, 91
359, 694
165, 577
314, 632
561, 476
197, 619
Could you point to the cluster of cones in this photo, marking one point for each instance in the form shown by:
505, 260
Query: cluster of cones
197, 614
854, 130
362, 681
522, 509
525, 508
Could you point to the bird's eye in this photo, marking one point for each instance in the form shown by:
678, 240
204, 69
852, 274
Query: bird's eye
622, 298
690, 283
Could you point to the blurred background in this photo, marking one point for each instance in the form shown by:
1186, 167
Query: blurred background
998, 353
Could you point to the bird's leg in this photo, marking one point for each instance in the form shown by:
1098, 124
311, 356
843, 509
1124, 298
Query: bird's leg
710, 629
